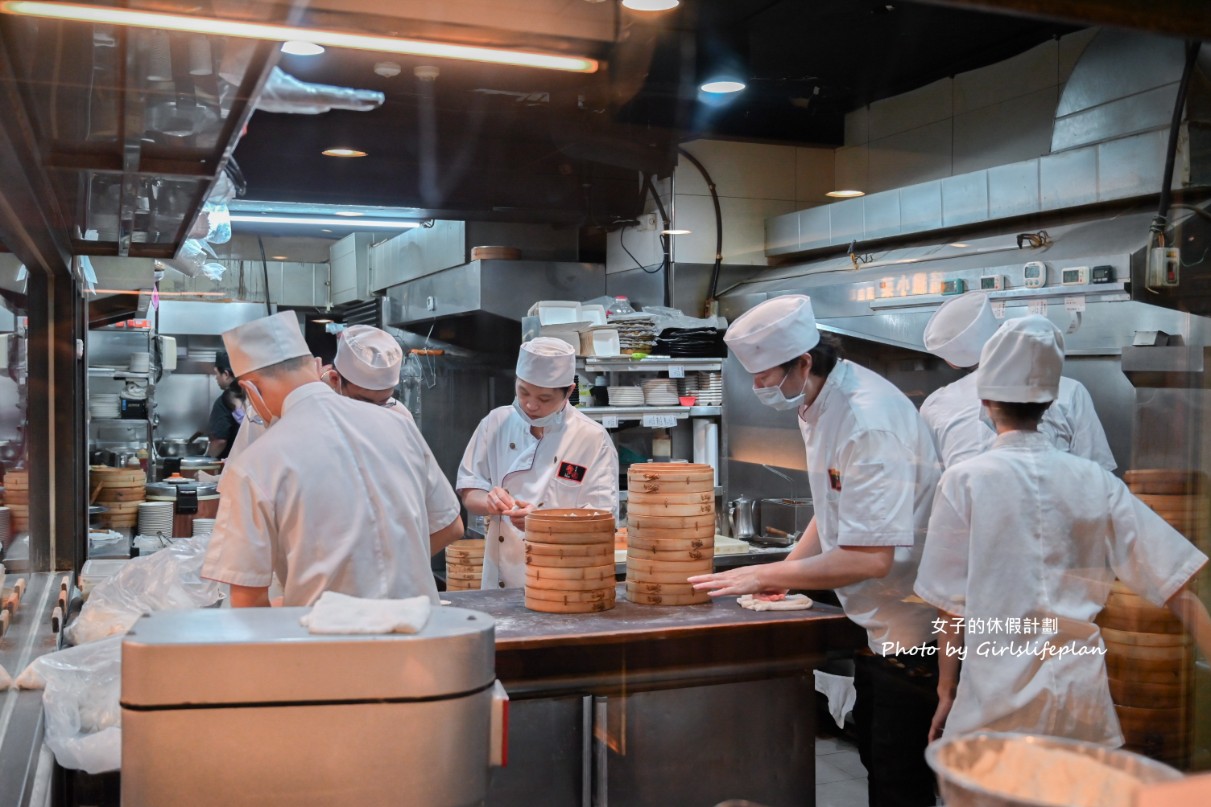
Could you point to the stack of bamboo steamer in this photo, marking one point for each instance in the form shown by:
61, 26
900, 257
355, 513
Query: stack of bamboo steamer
670, 531
1149, 654
569, 561
465, 564
16, 499
119, 491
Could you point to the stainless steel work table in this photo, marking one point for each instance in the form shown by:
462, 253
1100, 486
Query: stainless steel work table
659, 705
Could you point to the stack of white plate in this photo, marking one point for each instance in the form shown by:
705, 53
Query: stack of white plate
140, 362
6, 527
660, 392
155, 518
636, 332
103, 405
626, 396
202, 526
201, 355
710, 389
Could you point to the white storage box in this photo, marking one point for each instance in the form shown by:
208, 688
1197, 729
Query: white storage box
555, 312
600, 342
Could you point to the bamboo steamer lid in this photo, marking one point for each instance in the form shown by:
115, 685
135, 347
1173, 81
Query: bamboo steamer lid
642, 598
639, 522
644, 509
537, 548
466, 546
602, 572
1139, 693
548, 607
670, 498
601, 594
600, 537
661, 472
570, 515
689, 566
690, 534
701, 553
670, 544
583, 561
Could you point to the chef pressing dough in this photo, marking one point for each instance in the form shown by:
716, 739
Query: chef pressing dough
537, 453
1024, 532
335, 496
956, 333
789, 602
872, 469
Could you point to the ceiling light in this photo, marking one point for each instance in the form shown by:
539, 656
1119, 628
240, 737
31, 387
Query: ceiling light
722, 86
845, 194
958, 245
316, 221
676, 232
339, 152
105, 15
297, 47
651, 5
349, 213
322, 321
278, 257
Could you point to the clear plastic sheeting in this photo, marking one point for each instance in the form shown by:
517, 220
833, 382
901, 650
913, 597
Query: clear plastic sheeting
169, 579
193, 260
285, 93
213, 224
80, 696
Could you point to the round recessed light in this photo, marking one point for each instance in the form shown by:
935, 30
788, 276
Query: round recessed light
278, 257
722, 86
651, 5
845, 194
321, 321
325, 230
676, 232
348, 213
343, 152
297, 47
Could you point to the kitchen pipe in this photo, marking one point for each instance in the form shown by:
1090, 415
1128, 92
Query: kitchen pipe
1161, 222
710, 183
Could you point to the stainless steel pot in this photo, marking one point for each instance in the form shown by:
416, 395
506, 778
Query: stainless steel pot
172, 448
740, 513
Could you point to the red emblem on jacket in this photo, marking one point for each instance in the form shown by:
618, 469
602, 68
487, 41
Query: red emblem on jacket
573, 473
834, 479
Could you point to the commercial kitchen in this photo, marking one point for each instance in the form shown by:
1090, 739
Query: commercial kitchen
672, 213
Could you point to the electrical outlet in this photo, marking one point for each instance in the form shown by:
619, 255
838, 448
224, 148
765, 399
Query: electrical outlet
647, 222
430, 304
1164, 267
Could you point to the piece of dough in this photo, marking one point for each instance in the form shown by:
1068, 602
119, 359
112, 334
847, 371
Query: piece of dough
792, 602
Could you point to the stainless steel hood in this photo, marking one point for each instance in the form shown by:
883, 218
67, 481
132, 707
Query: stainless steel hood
479, 305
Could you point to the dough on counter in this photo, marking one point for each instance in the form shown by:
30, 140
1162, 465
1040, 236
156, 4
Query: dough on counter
792, 602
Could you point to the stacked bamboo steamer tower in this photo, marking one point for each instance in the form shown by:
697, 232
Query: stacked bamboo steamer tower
16, 499
670, 531
1149, 654
465, 564
119, 491
569, 561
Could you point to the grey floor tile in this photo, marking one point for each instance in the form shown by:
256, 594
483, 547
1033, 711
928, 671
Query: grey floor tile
826, 745
849, 762
827, 773
850, 793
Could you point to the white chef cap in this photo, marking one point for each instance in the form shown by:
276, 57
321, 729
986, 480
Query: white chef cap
264, 342
546, 362
369, 357
1021, 362
773, 333
958, 330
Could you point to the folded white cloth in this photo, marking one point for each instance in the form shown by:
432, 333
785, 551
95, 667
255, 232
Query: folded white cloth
841, 694
6, 680
340, 613
792, 602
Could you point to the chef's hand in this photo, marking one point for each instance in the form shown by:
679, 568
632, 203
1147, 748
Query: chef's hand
519, 512
945, 701
500, 501
734, 582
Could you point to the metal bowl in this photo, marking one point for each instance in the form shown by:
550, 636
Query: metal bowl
952, 760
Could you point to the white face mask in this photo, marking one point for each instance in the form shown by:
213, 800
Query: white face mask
986, 419
773, 397
253, 413
553, 419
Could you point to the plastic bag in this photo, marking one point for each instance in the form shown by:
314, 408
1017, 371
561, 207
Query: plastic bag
80, 697
285, 93
169, 579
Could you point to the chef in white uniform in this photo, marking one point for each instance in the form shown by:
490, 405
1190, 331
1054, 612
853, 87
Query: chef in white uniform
956, 333
1030, 533
366, 368
872, 470
334, 496
537, 453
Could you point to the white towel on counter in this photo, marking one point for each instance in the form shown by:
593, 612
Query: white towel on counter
6, 680
340, 613
791, 602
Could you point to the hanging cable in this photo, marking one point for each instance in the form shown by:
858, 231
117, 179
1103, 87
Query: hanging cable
265, 271
1161, 222
710, 184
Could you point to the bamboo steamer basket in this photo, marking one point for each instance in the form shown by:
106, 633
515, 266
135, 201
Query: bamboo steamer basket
464, 564
569, 561
639, 523
657, 534
670, 477
672, 589
665, 510
1166, 481
16, 496
657, 499
674, 555
549, 607
1138, 693
648, 598
538, 548
16, 480
670, 578
642, 565
570, 597
678, 544
602, 573
575, 562
671, 520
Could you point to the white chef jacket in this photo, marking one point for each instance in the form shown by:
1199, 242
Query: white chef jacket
872, 469
1072, 424
334, 496
573, 465
1029, 532
250, 430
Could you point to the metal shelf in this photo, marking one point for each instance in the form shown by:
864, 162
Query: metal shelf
621, 364
1110, 292
637, 412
